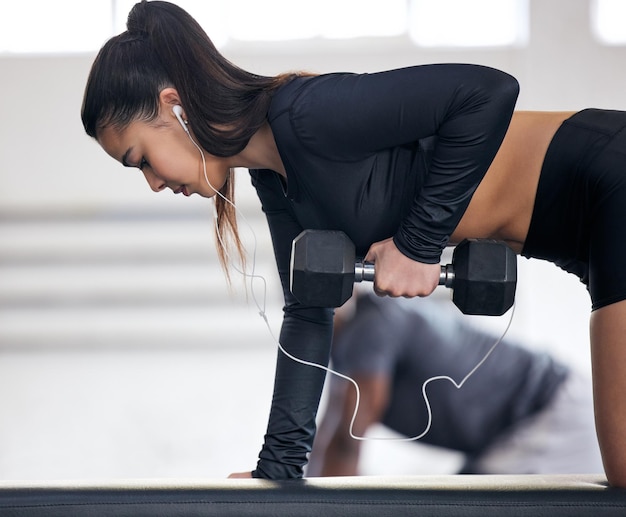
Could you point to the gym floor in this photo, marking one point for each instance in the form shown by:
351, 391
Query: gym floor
77, 415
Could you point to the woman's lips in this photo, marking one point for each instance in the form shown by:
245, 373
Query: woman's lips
183, 190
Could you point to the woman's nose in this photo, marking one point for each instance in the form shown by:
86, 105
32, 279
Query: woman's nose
156, 184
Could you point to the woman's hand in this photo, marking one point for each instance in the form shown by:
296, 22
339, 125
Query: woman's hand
398, 275
240, 475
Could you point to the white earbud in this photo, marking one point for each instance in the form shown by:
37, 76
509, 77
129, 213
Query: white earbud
178, 113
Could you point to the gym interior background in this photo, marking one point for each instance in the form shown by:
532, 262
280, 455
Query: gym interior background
122, 352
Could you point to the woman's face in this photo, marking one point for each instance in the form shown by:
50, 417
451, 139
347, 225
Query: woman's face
165, 154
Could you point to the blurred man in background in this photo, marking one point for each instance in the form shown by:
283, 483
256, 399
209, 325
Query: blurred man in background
521, 412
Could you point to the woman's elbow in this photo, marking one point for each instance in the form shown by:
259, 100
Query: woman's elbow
510, 85
501, 89
505, 92
504, 83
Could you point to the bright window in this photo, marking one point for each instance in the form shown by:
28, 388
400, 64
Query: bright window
465, 23
608, 21
39, 26
336, 19
46, 26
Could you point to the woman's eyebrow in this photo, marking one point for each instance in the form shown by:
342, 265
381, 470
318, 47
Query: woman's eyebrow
125, 158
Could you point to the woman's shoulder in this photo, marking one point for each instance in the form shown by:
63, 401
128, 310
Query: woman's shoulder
299, 90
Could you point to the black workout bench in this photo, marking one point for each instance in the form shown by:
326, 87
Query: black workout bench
451, 495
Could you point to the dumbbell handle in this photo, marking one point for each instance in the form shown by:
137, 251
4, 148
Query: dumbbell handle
364, 271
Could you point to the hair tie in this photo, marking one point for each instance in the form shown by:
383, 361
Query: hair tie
135, 23
138, 34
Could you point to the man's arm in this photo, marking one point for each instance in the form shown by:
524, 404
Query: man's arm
335, 452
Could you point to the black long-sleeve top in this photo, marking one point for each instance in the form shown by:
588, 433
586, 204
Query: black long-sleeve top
392, 154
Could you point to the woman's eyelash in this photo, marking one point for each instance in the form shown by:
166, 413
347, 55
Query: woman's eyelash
143, 163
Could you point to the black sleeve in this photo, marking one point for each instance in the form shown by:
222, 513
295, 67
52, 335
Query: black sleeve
306, 333
468, 108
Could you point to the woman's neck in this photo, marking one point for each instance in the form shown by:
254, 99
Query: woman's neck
261, 152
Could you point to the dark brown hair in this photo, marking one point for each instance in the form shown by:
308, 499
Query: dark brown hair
162, 47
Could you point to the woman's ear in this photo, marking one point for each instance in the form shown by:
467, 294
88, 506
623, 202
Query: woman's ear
169, 98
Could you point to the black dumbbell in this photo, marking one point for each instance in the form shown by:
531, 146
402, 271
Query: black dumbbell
324, 267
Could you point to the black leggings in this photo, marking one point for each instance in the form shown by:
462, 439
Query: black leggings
579, 218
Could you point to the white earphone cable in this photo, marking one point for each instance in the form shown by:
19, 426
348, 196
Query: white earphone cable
261, 308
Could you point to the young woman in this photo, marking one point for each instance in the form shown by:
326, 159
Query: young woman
393, 159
